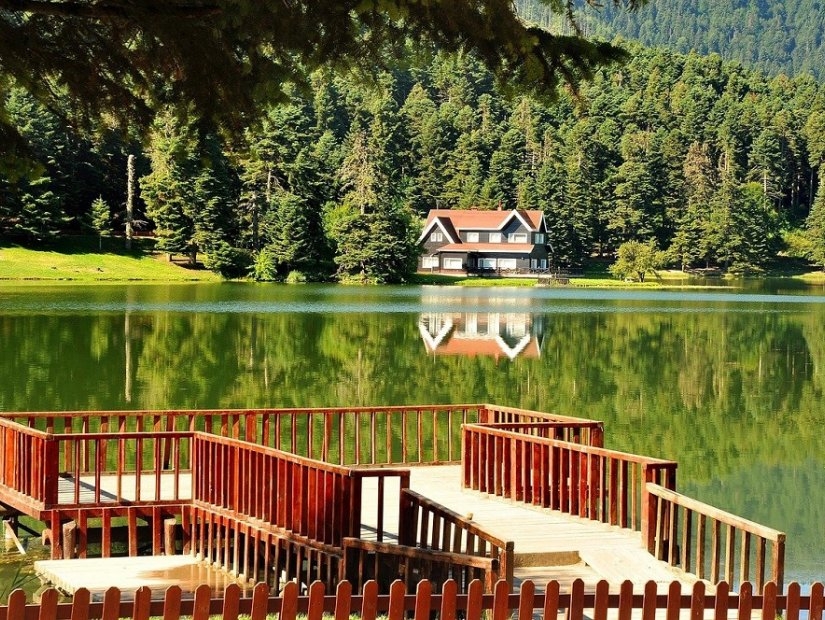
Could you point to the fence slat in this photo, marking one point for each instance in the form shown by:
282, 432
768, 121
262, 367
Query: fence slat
171, 603
745, 602
817, 602
80, 604
396, 608
398, 605
259, 602
369, 607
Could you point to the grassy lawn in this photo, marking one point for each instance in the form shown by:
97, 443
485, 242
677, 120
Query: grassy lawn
85, 263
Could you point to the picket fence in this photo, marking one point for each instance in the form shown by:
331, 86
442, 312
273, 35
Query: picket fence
425, 604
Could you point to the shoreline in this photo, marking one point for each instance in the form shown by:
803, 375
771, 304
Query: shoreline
25, 266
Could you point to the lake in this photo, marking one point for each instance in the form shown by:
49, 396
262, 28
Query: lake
729, 382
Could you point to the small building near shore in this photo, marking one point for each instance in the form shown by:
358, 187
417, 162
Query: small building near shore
457, 241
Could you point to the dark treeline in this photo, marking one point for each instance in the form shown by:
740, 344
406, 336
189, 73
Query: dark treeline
719, 166
782, 36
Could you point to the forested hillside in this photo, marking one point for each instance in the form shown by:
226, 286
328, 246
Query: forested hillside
776, 37
712, 162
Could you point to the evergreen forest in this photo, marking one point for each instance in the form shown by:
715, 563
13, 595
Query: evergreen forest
783, 36
713, 164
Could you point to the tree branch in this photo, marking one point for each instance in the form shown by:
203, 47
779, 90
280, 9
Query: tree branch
107, 11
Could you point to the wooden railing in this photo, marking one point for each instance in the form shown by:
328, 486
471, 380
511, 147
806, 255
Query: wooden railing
585, 481
130, 468
424, 604
26, 453
429, 525
365, 560
258, 552
705, 540
307, 497
420, 434
576, 430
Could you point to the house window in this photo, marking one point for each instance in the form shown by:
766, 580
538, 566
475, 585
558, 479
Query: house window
487, 263
472, 237
437, 237
429, 262
506, 263
517, 238
495, 237
539, 238
452, 263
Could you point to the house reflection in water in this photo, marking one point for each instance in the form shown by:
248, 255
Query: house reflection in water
493, 334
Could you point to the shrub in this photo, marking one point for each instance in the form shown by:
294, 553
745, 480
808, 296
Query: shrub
230, 262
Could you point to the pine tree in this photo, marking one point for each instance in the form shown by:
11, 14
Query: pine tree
815, 226
100, 219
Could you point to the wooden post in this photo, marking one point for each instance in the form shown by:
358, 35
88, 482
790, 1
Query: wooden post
132, 529
778, 562
597, 436
170, 527
648, 516
69, 538
51, 464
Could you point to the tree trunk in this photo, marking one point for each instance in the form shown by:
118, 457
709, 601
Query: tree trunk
130, 199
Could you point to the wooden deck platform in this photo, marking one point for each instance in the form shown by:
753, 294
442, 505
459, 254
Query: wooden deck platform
548, 544
130, 573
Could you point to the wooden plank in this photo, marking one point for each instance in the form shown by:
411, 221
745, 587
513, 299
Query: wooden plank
129, 573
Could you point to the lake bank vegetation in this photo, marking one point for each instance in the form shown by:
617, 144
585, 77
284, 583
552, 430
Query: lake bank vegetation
712, 165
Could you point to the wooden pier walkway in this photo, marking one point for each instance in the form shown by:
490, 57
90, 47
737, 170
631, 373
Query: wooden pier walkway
439, 492
548, 545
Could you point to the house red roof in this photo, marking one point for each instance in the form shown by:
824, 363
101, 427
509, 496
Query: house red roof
472, 347
464, 219
498, 248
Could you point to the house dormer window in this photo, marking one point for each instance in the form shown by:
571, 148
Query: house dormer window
437, 237
472, 237
539, 238
517, 238
495, 237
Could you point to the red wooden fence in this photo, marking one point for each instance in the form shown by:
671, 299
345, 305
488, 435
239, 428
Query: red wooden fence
307, 497
429, 525
706, 541
399, 605
25, 454
585, 481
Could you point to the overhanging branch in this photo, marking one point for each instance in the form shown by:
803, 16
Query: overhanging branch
109, 11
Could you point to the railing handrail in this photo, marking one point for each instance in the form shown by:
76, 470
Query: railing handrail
23, 429
466, 524
272, 528
553, 417
577, 447
6, 415
461, 559
69, 437
723, 516
553, 424
269, 451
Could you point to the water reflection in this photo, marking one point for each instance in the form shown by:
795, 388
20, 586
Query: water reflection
492, 334
731, 386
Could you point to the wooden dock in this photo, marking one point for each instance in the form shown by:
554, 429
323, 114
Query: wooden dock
467, 491
548, 545
130, 573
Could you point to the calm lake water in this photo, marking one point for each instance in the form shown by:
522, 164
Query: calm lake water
728, 382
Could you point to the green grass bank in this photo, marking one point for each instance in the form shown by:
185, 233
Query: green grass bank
82, 260
85, 262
